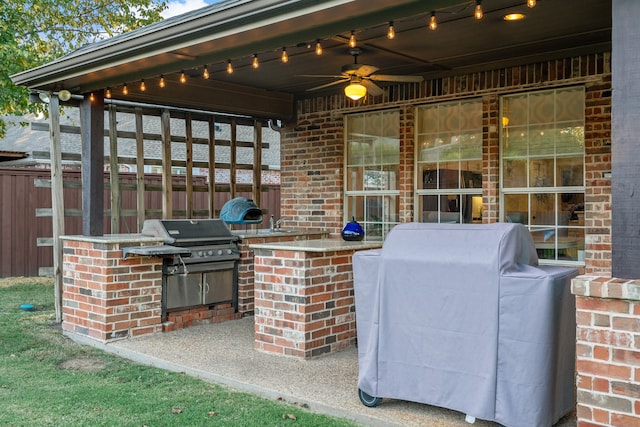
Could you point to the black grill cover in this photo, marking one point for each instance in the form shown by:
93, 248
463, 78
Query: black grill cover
241, 211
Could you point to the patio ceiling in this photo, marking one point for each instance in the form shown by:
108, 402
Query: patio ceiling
237, 29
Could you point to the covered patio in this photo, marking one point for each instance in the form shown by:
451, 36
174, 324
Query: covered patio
229, 58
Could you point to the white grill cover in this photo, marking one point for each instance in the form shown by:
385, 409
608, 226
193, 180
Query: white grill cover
461, 316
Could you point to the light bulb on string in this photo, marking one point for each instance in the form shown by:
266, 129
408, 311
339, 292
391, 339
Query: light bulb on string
391, 32
92, 97
162, 82
255, 63
205, 72
352, 40
107, 93
143, 86
531, 3
478, 12
183, 77
318, 47
284, 58
125, 89
433, 24
229, 67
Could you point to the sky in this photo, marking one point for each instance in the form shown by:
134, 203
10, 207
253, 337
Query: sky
178, 7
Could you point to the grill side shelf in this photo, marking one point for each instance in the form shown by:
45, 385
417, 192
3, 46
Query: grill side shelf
158, 250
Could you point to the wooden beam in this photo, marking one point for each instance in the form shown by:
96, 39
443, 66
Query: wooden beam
140, 167
114, 173
189, 164
257, 162
57, 201
212, 167
167, 199
222, 97
232, 159
92, 136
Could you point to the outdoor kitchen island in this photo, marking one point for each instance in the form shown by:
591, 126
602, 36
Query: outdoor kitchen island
113, 284
304, 297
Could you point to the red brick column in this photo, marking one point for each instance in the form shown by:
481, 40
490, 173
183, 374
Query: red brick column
608, 351
304, 302
105, 297
245, 266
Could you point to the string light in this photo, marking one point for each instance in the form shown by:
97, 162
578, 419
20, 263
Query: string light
352, 40
531, 3
125, 89
391, 32
107, 93
285, 57
318, 48
205, 73
91, 97
478, 13
255, 64
162, 83
143, 86
229, 67
183, 77
433, 24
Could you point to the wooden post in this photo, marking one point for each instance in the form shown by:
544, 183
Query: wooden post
212, 167
189, 165
232, 160
114, 173
57, 200
140, 168
257, 162
625, 149
167, 181
92, 135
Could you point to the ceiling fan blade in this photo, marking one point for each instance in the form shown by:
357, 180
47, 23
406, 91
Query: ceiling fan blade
372, 88
323, 76
337, 82
389, 78
365, 70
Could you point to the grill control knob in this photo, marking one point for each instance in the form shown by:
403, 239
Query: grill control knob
210, 253
229, 251
219, 251
201, 253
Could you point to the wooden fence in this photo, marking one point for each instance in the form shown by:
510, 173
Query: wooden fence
25, 212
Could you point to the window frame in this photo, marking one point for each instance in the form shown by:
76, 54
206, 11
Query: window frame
460, 191
559, 246
374, 230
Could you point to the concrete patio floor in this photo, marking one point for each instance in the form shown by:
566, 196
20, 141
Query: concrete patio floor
223, 353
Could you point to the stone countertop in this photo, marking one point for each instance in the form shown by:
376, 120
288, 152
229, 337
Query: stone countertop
115, 238
265, 232
318, 245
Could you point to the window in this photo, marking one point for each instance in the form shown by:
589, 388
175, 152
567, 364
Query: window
449, 162
542, 169
372, 165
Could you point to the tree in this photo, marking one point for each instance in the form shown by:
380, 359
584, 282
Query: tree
34, 32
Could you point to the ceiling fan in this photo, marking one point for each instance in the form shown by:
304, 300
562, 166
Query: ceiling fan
361, 78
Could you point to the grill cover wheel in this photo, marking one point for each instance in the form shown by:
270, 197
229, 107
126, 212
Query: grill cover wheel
368, 400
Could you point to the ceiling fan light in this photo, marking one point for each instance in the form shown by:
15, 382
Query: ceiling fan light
355, 91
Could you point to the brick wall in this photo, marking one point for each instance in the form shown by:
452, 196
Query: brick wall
312, 149
304, 302
246, 264
105, 297
608, 351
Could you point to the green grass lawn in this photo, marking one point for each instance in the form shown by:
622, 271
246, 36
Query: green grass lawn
48, 380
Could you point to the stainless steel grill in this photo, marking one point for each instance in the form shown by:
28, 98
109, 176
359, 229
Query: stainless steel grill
204, 269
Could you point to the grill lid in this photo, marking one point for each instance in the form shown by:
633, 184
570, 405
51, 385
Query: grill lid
188, 232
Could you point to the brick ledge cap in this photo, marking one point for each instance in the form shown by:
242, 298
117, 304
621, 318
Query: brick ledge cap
606, 288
